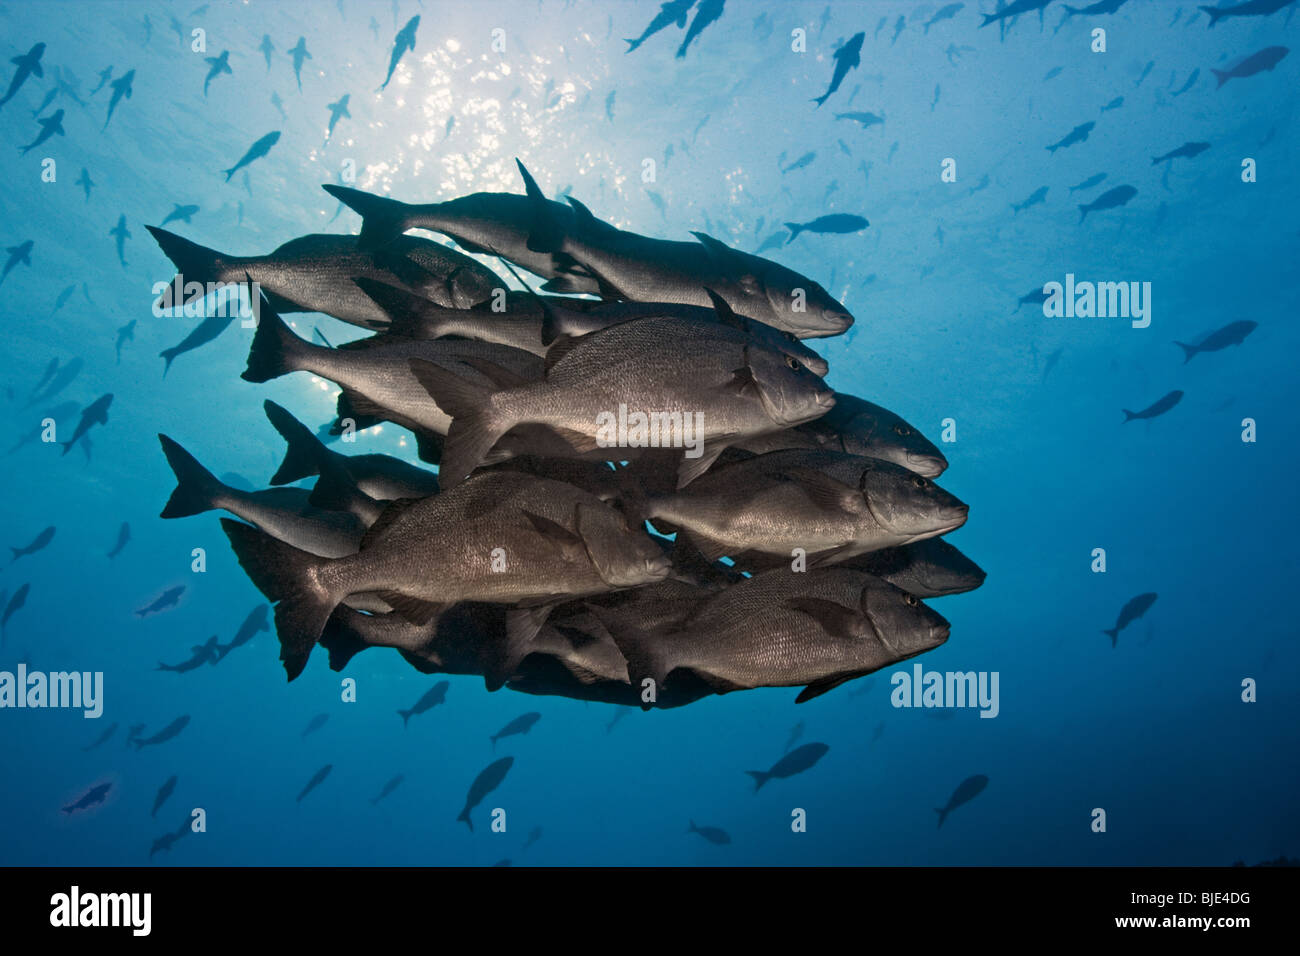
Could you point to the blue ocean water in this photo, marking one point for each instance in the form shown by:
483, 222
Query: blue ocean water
1154, 731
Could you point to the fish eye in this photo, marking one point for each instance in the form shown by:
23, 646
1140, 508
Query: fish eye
918, 481
902, 430
793, 362
911, 600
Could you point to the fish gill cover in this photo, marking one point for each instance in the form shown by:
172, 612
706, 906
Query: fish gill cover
611, 383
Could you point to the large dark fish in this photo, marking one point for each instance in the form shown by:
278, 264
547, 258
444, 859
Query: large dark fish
267, 48
256, 151
216, 66
169, 598
405, 40
782, 628
338, 110
1251, 8
164, 735
1088, 183
123, 536
101, 739
181, 213
19, 253
121, 89
29, 64
847, 57
674, 11
317, 779
15, 604
431, 698
299, 54
120, 235
1159, 408
1111, 199
520, 725
485, 783
1129, 613
944, 13
316, 273
928, 568
49, 126
1014, 10
200, 654
39, 542
202, 334
96, 413
91, 798
254, 623
967, 790
1234, 333
286, 514
1265, 59
707, 13
559, 542
838, 223
797, 761
1038, 196
1100, 7
164, 792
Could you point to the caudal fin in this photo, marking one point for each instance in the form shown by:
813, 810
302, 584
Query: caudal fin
1128, 416
194, 264
474, 430
1215, 15
1113, 634
382, 219
464, 815
1188, 351
303, 450
760, 777
1220, 76
196, 487
289, 576
631, 44
1083, 213
405, 715
275, 348
943, 815
795, 229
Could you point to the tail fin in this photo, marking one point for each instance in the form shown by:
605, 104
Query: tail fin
409, 315
303, 450
473, 429
943, 815
274, 348
1189, 350
382, 219
691, 828
631, 44
289, 576
989, 18
1113, 634
405, 715
795, 229
464, 815
819, 100
194, 263
196, 487
1128, 416
1219, 75
760, 777
1214, 13
1083, 213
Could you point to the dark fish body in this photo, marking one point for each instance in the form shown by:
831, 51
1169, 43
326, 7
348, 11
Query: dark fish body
181, 213
1265, 59
121, 89
315, 724
1038, 196
847, 57
169, 598
707, 12
431, 698
1111, 199
1088, 183
1130, 612
120, 234
404, 41
164, 792
39, 542
19, 253
425, 555
1191, 80
216, 66
1159, 408
102, 738
831, 504
91, 798
164, 735
837, 223
123, 537
1187, 150
928, 569
389, 787
29, 64
124, 334
1251, 8
96, 413
256, 151
714, 835
317, 779
1114, 104
300, 55
1077, 135
967, 790
286, 514
49, 126
203, 333
803, 162
338, 110
254, 624
1233, 333
15, 604
316, 273
200, 654
796, 761
1014, 10
944, 13
675, 11
1101, 6
520, 725
487, 781
865, 120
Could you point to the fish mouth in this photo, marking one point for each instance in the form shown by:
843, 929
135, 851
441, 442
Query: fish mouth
939, 633
927, 466
825, 399
953, 518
